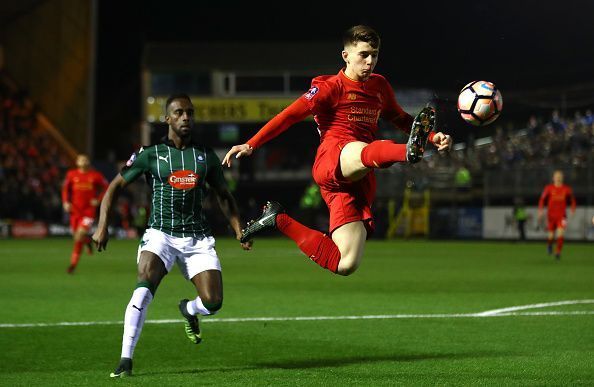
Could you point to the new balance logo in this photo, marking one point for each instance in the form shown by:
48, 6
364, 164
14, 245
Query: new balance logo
261, 221
137, 308
164, 158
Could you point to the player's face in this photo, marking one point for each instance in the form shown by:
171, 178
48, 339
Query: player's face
558, 178
180, 117
360, 60
82, 162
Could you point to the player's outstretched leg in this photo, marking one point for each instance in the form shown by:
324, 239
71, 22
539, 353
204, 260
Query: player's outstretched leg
124, 368
423, 124
559, 247
266, 221
550, 241
191, 325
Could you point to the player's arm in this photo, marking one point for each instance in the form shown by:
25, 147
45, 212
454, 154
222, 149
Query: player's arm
66, 191
101, 235
295, 112
543, 197
231, 210
572, 201
217, 182
394, 113
135, 166
101, 185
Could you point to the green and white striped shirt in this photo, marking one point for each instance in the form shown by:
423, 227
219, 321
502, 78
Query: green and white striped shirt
178, 180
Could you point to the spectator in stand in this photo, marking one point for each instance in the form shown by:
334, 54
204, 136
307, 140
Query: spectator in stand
556, 122
588, 117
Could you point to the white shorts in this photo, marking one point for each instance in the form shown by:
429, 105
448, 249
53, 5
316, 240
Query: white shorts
193, 255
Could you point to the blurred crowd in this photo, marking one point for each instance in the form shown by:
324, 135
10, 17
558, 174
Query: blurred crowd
32, 164
541, 142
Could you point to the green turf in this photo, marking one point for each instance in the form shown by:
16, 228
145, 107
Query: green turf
276, 280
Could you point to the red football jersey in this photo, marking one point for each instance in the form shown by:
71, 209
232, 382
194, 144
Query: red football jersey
557, 197
81, 187
346, 109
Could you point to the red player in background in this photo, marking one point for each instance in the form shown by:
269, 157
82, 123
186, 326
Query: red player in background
81, 194
557, 195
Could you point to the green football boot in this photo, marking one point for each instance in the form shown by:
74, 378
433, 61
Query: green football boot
191, 325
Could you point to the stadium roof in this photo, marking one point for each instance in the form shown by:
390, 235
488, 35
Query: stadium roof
243, 56
11, 10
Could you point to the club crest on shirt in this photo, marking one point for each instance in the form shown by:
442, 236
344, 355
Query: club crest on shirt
132, 159
311, 92
200, 159
183, 179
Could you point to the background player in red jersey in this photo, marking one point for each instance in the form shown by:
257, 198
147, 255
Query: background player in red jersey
557, 195
346, 108
82, 191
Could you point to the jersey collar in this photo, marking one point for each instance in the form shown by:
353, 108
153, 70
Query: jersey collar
345, 77
167, 141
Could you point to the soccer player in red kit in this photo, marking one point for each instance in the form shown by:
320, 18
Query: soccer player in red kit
82, 191
556, 195
346, 108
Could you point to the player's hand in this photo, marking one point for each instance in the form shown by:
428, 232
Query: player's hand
94, 202
67, 206
442, 141
238, 151
100, 238
246, 245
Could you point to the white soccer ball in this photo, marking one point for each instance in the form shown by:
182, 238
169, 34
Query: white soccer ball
480, 103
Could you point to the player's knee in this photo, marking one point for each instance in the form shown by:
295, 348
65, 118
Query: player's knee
347, 268
212, 303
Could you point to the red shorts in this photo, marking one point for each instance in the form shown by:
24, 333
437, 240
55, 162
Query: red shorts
347, 201
556, 222
81, 221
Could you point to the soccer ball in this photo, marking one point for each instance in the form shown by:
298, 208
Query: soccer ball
480, 103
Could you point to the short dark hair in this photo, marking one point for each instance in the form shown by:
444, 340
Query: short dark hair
173, 98
361, 33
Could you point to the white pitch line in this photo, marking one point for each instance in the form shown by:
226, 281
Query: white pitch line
534, 306
499, 313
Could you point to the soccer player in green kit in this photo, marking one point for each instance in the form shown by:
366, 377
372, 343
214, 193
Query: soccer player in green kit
177, 170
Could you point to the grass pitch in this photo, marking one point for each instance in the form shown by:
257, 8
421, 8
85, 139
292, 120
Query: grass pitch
415, 313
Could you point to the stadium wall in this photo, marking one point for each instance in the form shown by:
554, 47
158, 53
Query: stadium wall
499, 223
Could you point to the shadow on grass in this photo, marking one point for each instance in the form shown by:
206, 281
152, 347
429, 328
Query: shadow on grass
335, 362
346, 361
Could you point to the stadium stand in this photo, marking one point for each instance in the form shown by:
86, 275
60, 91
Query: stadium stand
32, 162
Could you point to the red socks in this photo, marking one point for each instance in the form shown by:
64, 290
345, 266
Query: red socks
76, 253
317, 246
559, 245
382, 154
